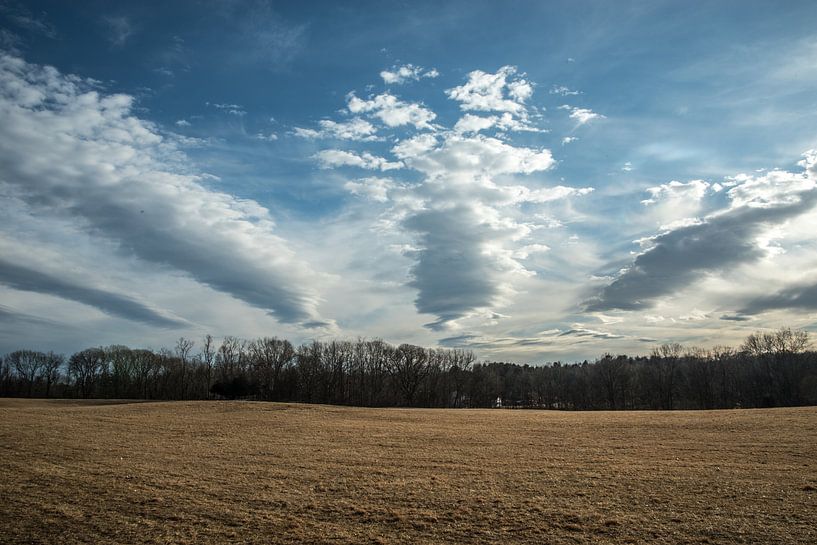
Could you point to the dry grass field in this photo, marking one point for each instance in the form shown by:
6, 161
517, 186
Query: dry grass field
224, 472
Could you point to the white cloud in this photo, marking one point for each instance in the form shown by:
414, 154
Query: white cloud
468, 224
232, 109
568, 140
375, 189
677, 191
183, 123
472, 155
75, 155
119, 29
581, 115
408, 72
392, 111
470, 123
336, 158
561, 90
355, 129
774, 188
525, 251
493, 92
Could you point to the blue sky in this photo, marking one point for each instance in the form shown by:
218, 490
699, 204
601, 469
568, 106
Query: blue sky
536, 181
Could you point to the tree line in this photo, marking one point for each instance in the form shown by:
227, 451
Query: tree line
769, 369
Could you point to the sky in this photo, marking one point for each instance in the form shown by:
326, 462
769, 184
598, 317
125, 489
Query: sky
534, 181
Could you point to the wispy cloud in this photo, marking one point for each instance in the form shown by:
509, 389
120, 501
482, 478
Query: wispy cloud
23, 18
337, 158
24, 278
561, 90
582, 116
232, 109
407, 72
119, 28
354, 129
72, 152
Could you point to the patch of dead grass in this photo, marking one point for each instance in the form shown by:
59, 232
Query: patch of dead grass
233, 472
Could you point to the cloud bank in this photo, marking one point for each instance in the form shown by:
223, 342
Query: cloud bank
66, 149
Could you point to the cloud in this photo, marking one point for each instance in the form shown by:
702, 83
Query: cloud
375, 189
561, 90
354, 129
183, 123
333, 158
724, 239
525, 251
451, 274
119, 29
27, 279
232, 109
392, 111
461, 224
467, 256
12, 317
23, 18
408, 72
673, 203
791, 298
694, 190
68, 151
254, 33
503, 91
579, 331
9, 41
734, 318
581, 115
568, 140
471, 155
470, 123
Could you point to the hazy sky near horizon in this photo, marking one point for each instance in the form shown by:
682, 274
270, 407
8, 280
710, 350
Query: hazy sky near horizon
537, 181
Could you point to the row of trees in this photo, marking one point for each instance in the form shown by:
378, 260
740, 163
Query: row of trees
769, 369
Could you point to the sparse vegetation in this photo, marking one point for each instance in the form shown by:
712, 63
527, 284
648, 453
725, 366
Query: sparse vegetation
242, 472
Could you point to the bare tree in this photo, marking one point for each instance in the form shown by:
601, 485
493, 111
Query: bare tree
27, 364
86, 367
665, 360
146, 366
269, 356
50, 371
408, 367
183, 348
208, 357
120, 364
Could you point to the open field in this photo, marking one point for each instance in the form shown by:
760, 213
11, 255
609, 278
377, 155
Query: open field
236, 472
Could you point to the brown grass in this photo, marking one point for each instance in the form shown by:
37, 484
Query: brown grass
204, 472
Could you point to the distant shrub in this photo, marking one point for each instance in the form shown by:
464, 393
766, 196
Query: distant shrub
237, 387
